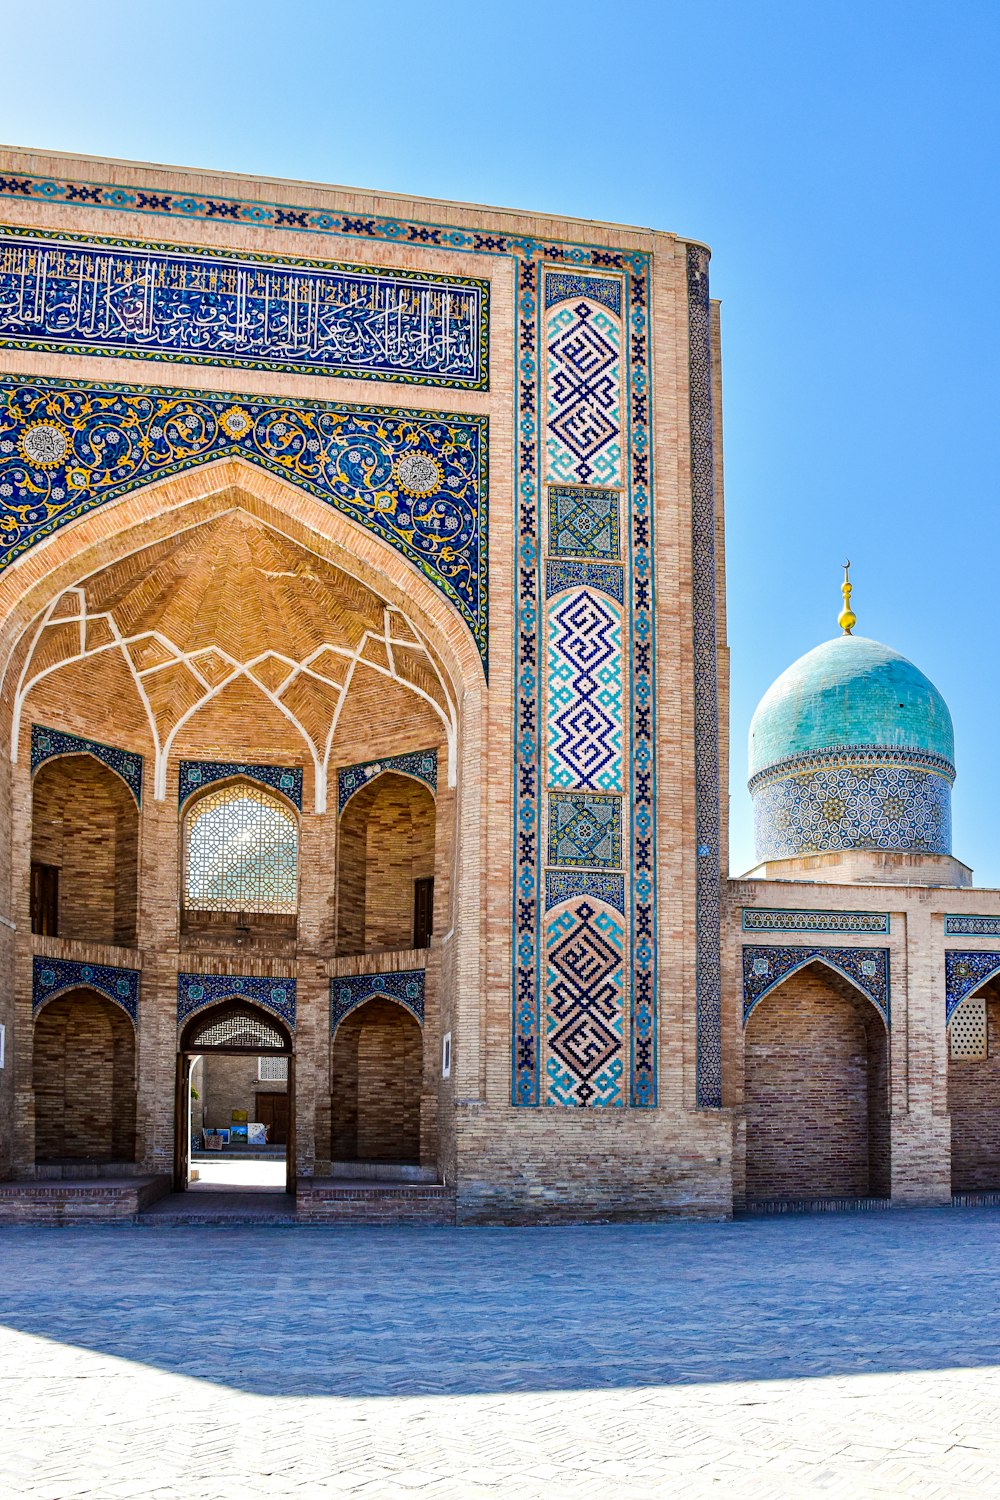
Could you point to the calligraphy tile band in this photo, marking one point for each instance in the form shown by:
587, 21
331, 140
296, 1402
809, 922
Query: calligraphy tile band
67, 294
418, 480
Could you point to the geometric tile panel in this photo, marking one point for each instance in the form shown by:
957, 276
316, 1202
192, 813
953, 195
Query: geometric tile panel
195, 774
51, 976
584, 722
584, 1007
405, 986
867, 804
565, 286
416, 479
563, 885
195, 991
958, 926
608, 578
70, 295
47, 743
766, 967
583, 415
965, 972
584, 522
775, 919
585, 828
422, 764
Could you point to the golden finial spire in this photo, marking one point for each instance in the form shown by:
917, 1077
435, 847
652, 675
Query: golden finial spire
847, 619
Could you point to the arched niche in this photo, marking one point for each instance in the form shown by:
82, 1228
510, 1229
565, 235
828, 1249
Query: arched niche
84, 852
84, 1080
239, 860
386, 846
376, 1079
974, 1090
816, 1090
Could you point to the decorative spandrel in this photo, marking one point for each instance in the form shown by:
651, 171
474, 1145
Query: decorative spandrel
241, 853
73, 295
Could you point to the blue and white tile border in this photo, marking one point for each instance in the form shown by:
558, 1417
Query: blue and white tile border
54, 976
765, 967
196, 991
47, 744
195, 775
404, 986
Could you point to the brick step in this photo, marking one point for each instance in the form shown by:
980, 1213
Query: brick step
327, 1200
758, 1206
976, 1200
85, 1200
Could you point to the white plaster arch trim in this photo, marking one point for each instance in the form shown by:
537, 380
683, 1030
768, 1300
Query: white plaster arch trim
390, 639
811, 957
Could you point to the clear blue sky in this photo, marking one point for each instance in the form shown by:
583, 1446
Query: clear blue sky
840, 158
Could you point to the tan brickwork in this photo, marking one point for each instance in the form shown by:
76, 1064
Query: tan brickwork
84, 1080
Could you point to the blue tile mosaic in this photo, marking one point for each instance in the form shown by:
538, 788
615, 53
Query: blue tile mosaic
566, 286
766, 967
584, 522
584, 1007
196, 991
704, 614
566, 885
48, 743
585, 828
609, 578
422, 764
584, 433
405, 986
965, 972
777, 919
54, 976
960, 926
193, 775
416, 479
71, 295
585, 700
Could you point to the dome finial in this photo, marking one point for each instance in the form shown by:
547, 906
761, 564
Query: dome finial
847, 619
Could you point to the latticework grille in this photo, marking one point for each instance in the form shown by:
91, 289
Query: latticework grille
967, 1029
236, 1026
272, 1069
241, 853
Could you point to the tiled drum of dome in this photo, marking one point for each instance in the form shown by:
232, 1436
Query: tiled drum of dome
584, 1006
584, 717
876, 806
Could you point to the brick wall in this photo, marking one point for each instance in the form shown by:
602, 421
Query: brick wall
84, 1080
85, 822
816, 1098
974, 1105
375, 1083
386, 843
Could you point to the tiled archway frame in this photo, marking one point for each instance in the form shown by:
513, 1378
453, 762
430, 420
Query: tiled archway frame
50, 744
34, 602
964, 972
765, 967
404, 986
419, 765
51, 977
197, 992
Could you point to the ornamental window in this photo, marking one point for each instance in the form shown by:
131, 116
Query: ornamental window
241, 850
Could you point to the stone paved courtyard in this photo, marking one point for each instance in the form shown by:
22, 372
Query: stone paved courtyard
853, 1355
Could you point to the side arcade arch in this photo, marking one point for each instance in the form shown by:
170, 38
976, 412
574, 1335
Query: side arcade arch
84, 1081
816, 1086
377, 1070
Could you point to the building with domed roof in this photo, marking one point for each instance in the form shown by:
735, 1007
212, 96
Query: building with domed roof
364, 732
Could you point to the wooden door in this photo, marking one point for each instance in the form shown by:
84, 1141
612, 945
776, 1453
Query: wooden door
182, 1124
272, 1110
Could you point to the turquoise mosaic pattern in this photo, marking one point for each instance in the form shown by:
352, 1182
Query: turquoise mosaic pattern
566, 885
584, 712
864, 805
960, 926
585, 829
964, 972
570, 286
415, 479
193, 775
406, 986
848, 692
66, 294
776, 919
196, 991
764, 968
422, 764
585, 1007
584, 419
46, 744
584, 521
54, 976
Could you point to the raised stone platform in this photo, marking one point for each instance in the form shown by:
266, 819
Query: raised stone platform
350, 1200
80, 1200
229, 1206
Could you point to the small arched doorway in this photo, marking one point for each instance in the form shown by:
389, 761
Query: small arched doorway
84, 852
83, 1074
376, 1080
974, 1090
816, 1076
232, 1028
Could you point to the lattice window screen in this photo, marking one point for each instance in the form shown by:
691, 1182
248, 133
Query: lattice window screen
272, 1069
967, 1031
241, 853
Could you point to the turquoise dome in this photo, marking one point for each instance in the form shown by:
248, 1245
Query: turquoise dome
849, 692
